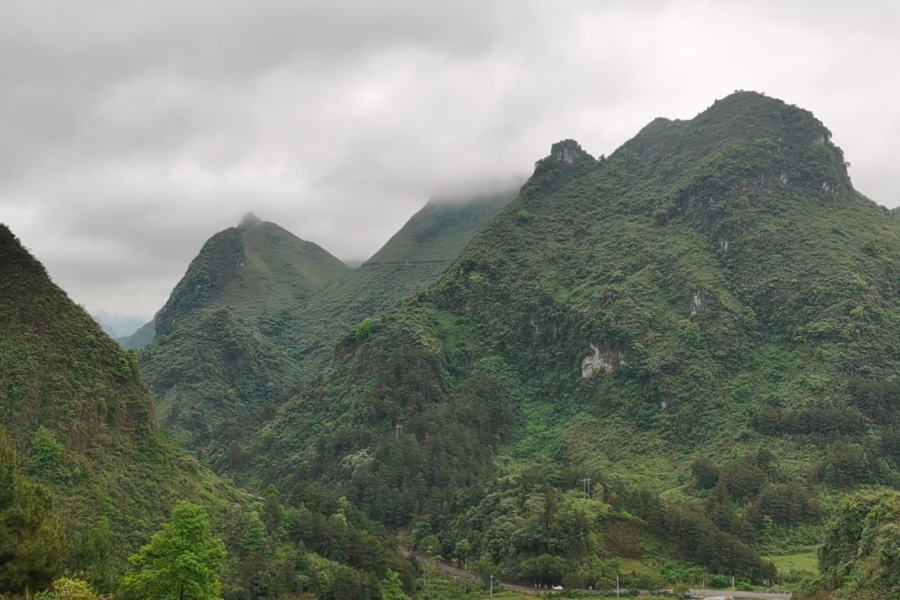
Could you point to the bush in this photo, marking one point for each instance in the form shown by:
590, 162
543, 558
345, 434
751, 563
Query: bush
742, 480
68, 589
705, 473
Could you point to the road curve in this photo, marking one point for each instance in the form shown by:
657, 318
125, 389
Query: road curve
707, 594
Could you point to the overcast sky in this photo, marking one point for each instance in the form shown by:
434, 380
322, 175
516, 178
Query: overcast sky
131, 131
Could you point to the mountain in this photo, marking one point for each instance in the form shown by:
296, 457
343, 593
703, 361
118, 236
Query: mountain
242, 331
414, 257
119, 325
139, 338
86, 477
80, 420
212, 363
702, 325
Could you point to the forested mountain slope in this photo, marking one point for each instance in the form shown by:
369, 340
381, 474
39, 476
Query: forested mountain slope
140, 338
80, 418
259, 311
413, 258
85, 477
710, 313
213, 363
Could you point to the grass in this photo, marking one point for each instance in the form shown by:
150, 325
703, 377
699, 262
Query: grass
632, 565
803, 561
442, 587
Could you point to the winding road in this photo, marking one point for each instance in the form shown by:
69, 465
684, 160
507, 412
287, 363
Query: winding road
707, 594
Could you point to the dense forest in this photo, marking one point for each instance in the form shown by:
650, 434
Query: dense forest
674, 366
86, 477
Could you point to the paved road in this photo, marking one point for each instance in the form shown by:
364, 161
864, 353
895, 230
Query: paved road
719, 594
707, 594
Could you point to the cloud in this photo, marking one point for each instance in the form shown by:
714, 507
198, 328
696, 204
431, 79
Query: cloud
133, 131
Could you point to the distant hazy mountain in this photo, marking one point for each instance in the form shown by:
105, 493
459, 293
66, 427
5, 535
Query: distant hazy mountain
116, 325
140, 338
414, 257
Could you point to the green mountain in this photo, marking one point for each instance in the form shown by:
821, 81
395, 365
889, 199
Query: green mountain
413, 258
80, 421
702, 326
259, 311
212, 363
86, 478
140, 338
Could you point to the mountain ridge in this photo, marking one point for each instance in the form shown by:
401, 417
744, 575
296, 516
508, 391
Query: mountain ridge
714, 287
86, 476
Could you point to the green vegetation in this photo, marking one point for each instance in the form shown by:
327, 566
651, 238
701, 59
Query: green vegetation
714, 288
182, 562
31, 535
69, 589
85, 477
859, 558
140, 338
259, 311
658, 366
806, 563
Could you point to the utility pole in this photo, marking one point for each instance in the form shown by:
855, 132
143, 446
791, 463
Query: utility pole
399, 428
586, 483
617, 585
492, 586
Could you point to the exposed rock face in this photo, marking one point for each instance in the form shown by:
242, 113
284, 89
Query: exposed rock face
699, 302
570, 152
601, 360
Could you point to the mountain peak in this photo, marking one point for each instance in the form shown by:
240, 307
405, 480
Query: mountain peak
569, 151
249, 220
17, 260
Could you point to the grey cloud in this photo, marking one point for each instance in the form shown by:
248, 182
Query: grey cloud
132, 131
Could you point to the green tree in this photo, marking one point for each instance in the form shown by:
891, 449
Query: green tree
705, 472
91, 556
430, 545
392, 587
47, 454
69, 589
31, 538
182, 561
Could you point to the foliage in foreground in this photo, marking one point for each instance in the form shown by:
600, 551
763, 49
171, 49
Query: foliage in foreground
182, 562
31, 535
860, 558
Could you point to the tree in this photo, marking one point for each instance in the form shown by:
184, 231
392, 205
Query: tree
69, 589
392, 587
705, 472
91, 557
31, 538
182, 561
